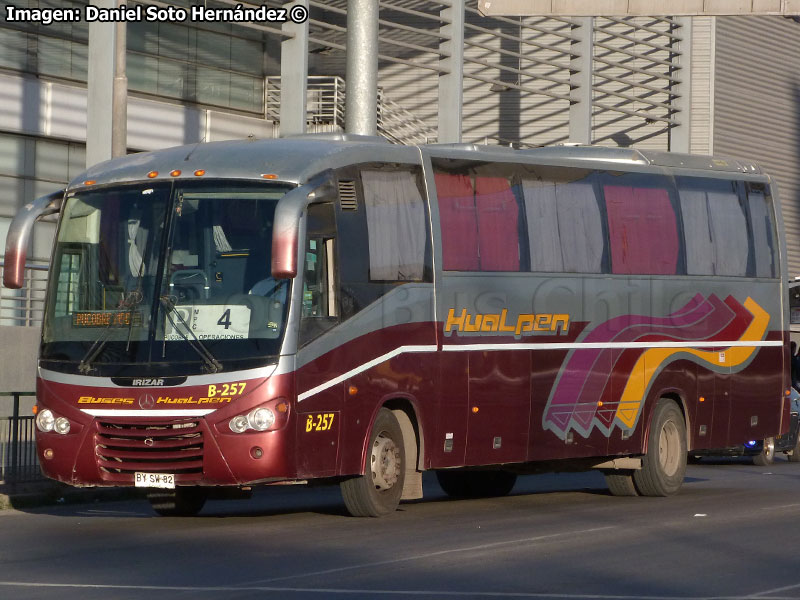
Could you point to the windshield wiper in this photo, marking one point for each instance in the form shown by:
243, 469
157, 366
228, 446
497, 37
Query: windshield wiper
212, 365
131, 300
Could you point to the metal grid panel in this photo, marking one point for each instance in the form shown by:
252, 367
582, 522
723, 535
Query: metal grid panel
25, 307
634, 73
516, 79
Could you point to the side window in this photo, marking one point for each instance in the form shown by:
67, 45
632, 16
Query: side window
68, 282
318, 309
565, 228
715, 227
763, 225
642, 229
395, 225
479, 218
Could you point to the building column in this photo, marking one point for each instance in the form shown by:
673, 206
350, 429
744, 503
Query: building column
680, 134
100, 89
361, 99
451, 81
294, 76
580, 80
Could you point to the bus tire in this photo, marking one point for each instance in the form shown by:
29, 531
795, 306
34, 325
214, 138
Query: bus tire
377, 492
180, 502
476, 484
620, 483
664, 464
767, 455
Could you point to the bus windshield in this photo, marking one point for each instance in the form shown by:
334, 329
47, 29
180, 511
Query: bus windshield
165, 275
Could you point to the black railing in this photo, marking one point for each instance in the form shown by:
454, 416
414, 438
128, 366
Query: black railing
18, 461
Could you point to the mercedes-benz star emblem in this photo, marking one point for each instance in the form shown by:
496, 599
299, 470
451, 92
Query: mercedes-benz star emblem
146, 402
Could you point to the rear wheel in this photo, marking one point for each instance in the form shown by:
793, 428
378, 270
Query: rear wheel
767, 455
620, 483
180, 502
377, 492
664, 465
476, 484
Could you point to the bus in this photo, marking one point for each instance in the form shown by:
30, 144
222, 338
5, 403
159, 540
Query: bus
338, 309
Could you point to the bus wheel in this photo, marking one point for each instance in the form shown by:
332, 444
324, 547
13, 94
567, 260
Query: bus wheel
767, 455
377, 492
620, 483
476, 484
180, 502
664, 464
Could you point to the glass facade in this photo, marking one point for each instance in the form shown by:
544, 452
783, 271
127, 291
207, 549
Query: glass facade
31, 167
213, 64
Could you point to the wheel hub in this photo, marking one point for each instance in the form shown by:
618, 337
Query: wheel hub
669, 448
769, 447
385, 462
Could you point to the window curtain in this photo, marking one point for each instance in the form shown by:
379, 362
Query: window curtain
564, 226
498, 224
642, 229
697, 232
459, 222
395, 225
763, 234
728, 233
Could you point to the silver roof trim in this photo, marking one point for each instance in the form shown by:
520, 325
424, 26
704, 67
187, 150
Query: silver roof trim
294, 160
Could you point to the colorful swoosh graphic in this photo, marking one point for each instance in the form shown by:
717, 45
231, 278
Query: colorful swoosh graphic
583, 396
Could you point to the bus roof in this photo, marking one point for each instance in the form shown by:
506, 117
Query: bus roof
296, 159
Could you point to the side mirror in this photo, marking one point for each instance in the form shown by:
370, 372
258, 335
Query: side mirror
286, 230
19, 236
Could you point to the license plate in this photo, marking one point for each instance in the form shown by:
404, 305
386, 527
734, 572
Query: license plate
155, 480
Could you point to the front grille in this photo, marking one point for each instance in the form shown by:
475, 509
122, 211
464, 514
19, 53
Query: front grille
122, 448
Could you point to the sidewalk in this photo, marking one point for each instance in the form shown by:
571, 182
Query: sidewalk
49, 493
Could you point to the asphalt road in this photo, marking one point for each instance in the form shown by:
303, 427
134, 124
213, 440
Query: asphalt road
732, 532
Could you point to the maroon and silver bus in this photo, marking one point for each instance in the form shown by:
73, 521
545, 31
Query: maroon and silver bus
342, 309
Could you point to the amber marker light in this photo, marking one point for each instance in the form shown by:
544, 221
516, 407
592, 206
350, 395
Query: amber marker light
702, 399
352, 390
152, 174
175, 173
283, 407
475, 409
90, 182
35, 409
198, 173
788, 392
269, 176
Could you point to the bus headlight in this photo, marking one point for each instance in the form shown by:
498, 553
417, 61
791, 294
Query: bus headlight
45, 420
261, 418
62, 425
270, 416
239, 424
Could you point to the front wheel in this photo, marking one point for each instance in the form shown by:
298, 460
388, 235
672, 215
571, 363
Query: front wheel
767, 455
664, 465
180, 502
377, 492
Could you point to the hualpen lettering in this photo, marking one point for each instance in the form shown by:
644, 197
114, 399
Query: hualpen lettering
498, 323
